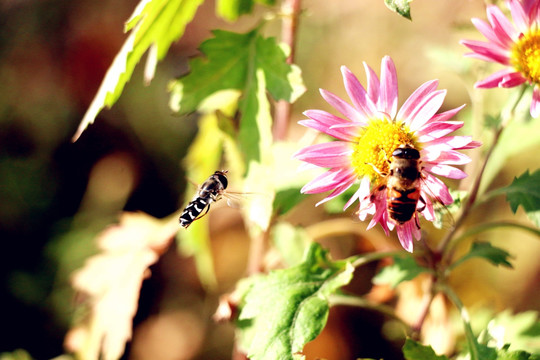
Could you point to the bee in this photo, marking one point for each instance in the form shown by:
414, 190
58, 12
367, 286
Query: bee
403, 185
210, 191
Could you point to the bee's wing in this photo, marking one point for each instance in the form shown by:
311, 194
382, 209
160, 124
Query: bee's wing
235, 199
442, 215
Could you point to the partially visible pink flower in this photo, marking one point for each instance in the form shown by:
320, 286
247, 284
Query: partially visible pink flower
516, 46
369, 131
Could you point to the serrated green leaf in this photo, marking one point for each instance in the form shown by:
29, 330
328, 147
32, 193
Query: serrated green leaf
401, 7
288, 308
485, 250
231, 62
413, 350
154, 25
403, 269
232, 9
525, 191
506, 354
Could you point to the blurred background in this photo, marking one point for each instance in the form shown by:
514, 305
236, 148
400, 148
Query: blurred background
55, 195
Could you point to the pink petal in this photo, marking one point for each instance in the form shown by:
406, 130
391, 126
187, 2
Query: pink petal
342, 106
446, 171
338, 190
436, 189
512, 80
328, 181
415, 99
450, 157
501, 25
490, 34
426, 108
373, 84
405, 236
435, 130
358, 94
362, 192
494, 79
447, 143
323, 122
389, 88
488, 50
333, 154
520, 17
535, 103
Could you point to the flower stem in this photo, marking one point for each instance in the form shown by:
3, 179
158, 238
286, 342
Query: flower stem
291, 11
471, 340
476, 185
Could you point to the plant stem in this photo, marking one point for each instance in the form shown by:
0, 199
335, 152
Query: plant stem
471, 340
425, 306
476, 185
290, 12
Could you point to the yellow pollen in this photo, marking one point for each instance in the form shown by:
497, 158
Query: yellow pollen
375, 145
525, 56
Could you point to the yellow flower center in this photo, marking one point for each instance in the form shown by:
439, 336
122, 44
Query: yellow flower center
526, 56
375, 144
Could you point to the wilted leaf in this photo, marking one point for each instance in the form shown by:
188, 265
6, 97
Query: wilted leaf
288, 308
154, 25
112, 280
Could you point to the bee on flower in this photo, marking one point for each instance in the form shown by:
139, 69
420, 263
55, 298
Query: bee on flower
516, 46
396, 156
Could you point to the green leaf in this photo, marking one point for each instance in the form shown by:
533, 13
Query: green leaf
231, 9
231, 62
288, 308
506, 354
401, 7
154, 25
403, 269
493, 254
525, 191
521, 331
413, 350
290, 241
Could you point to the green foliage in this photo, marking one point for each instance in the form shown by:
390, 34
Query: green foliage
404, 268
288, 308
401, 7
485, 250
525, 191
154, 25
232, 9
18, 354
233, 61
290, 241
413, 350
521, 331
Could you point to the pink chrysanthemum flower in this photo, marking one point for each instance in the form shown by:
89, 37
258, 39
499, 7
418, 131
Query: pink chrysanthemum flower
369, 133
517, 46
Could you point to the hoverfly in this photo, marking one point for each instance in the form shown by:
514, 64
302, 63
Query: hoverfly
210, 191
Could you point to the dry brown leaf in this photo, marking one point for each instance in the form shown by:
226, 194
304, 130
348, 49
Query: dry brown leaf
112, 280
